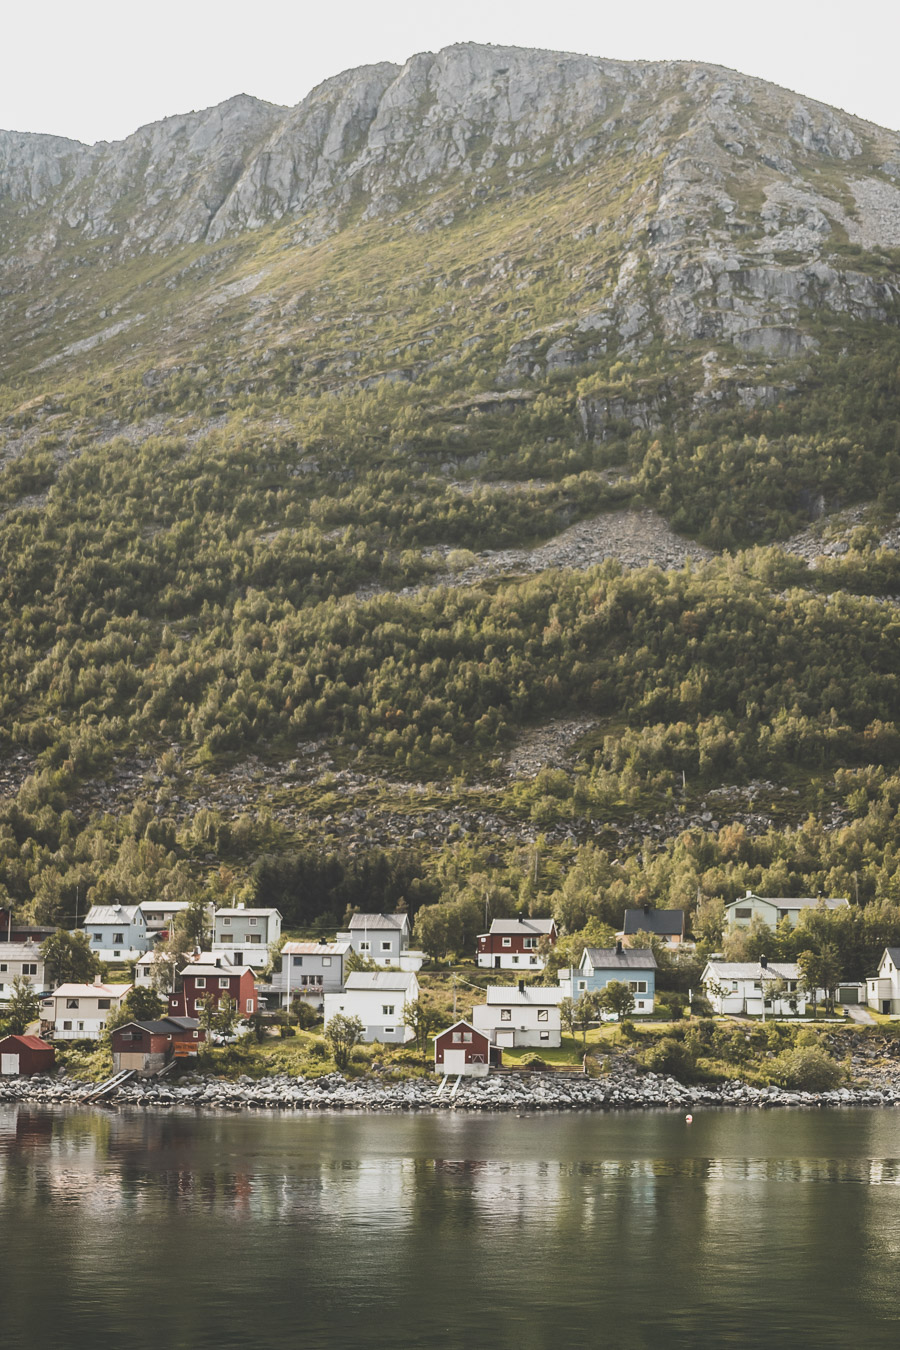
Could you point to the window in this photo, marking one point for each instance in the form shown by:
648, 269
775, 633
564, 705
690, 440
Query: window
365, 946
98, 937
249, 1005
200, 981
545, 1035
254, 922
385, 946
226, 937
457, 1038
71, 1002
543, 1015
389, 1031
505, 1014
224, 982
582, 985
467, 1038
515, 960
326, 960
198, 1004
298, 961
734, 987
254, 937
745, 912
81, 1026
117, 953
28, 968
528, 943
103, 1003
3, 966
226, 923
67, 1026
387, 1009
118, 939
637, 986
507, 942
532, 960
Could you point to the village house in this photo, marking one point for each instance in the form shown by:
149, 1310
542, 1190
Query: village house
18, 930
20, 959
516, 1015
384, 939
754, 988
245, 935
883, 989
26, 1055
463, 1049
159, 915
634, 966
741, 913
216, 980
146, 1047
379, 999
665, 924
309, 970
117, 932
79, 1012
513, 944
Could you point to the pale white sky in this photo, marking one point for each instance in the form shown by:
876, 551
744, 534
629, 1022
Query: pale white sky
98, 69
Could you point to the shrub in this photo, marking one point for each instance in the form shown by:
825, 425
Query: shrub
808, 1068
670, 1056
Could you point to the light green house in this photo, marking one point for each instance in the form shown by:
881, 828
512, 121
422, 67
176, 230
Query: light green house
741, 913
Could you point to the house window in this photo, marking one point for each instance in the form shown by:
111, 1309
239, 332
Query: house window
507, 942
28, 968
254, 922
515, 960
254, 937
103, 1003
387, 1009
198, 1004
98, 937
117, 953
545, 1035
81, 1026
527, 943
71, 1002
582, 985
389, 1031
365, 946
385, 946
745, 912
200, 981
224, 982
326, 960
249, 1005
226, 922
734, 987
298, 960
467, 1038
457, 1038
532, 960
67, 1026
226, 937
506, 1014
543, 1015
3, 966
637, 986
118, 939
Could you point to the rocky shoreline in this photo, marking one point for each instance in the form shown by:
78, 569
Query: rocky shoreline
519, 1092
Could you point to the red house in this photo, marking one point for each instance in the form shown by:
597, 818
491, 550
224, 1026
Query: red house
512, 944
461, 1049
26, 1055
147, 1046
15, 930
216, 980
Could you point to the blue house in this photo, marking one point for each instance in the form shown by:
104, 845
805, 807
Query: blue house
634, 966
117, 932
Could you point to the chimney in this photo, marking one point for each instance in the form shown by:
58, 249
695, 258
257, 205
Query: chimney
749, 893
764, 963
618, 947
646, 908
521, 918
219, 962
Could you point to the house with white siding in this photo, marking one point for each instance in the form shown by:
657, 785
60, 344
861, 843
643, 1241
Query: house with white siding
883, 989
79, 1012
245, 935
754, 988
384, 939
379, 999
515, 1015
20, 959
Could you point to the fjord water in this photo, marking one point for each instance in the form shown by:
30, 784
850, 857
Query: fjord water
177, 1230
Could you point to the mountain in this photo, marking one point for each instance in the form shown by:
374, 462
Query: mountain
299, 406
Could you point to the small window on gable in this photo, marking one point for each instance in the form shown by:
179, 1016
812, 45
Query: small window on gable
226, 922
543, 1015
254, 922
505, 1014
326, 960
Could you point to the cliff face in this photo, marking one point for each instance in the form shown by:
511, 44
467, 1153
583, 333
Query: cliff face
724, 208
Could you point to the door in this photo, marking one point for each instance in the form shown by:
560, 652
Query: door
507, 1038
454, 1061
496, 962
9, 1063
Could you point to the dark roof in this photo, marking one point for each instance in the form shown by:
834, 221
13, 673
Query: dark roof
629, 958
164, 1027
662, 922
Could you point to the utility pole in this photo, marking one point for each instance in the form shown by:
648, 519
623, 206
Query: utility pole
453, 977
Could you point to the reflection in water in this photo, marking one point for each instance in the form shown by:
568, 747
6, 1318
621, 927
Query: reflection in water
747, 1229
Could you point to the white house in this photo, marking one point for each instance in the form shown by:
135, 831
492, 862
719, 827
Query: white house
79, 1012
160, 914
20, 959
309, 970
245, 935
883, 989
384, 939
515, 1015
740, 986
117, 932
741, 913
379, 999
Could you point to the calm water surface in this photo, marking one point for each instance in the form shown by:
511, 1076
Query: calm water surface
775, 1229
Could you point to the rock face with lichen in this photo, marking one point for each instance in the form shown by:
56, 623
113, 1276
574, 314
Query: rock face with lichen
743, 209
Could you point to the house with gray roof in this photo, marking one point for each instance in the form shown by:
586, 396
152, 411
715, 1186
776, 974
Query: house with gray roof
883, 989
384, 939
520, 1014
118, 932
665, 924
309, 970
244, 935
754, 988
379, 999
634, 966
741, 913
515, 944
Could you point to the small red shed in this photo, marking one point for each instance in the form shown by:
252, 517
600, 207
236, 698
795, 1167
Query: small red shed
461, 1049
147, 1046
26, 1055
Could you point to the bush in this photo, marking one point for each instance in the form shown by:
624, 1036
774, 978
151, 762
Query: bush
670, 1056
808, 1068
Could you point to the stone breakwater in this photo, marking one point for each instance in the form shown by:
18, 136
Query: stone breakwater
506, 1092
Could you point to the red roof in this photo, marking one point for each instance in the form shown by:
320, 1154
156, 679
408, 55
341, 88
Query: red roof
33, 1042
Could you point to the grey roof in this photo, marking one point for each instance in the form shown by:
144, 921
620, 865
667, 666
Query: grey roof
377, 921
524, 925
201, 968
629, 958
752, 970
380, 979
20, 951
239, 911
662, 922
892, 952
101, 914
790, 902
165, 1026
540, 995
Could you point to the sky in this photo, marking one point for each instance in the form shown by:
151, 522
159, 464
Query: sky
99, 69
